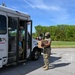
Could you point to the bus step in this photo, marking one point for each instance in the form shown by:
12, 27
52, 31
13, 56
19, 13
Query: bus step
11, 59
14, 63
11, 54
20, 61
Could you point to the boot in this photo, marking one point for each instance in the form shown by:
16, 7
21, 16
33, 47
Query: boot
44, 66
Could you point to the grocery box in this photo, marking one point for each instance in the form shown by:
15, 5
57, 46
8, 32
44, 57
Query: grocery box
42, 42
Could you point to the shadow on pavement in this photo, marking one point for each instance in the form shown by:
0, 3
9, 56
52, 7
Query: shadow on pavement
60, 65
57, 59
28, 67
53, 59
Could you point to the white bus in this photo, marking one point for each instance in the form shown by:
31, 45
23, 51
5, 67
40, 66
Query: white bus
10, 21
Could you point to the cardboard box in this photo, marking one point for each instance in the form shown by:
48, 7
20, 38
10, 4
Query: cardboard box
39, 44
42, 42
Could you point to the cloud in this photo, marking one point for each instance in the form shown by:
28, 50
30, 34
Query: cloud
40, 4
27, 2
56, 9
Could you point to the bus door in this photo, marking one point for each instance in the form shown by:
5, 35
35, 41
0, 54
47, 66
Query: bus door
25, 39
28, 38
13, 39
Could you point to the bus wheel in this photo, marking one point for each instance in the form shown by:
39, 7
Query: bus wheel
35, 54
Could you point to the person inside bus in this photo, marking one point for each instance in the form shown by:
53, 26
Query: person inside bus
20, 33
20, 40
20, 48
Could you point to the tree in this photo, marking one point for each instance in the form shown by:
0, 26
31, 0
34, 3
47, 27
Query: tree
58, 32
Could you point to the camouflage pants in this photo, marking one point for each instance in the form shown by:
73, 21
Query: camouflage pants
46, 56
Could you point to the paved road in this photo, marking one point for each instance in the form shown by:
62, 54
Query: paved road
63, 60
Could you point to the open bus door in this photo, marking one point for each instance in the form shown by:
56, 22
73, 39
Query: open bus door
26, 41
28, 38
13, 40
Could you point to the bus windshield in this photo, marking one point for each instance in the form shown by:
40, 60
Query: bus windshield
3, 28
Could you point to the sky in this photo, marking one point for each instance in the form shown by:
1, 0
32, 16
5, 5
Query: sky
45, 12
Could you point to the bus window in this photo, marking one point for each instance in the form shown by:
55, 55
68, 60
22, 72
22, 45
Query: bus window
12, 26
3, 28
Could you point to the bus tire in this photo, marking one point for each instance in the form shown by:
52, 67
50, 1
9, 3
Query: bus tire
35, 54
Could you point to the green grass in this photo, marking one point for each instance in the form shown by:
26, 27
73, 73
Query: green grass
63, 44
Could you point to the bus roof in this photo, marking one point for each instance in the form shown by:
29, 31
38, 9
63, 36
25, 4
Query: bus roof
12, 11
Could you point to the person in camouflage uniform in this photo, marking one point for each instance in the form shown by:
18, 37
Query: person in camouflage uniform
47, 51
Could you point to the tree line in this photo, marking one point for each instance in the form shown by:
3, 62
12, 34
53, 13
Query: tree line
58, 32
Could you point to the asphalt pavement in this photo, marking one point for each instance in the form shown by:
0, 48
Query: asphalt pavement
62, 62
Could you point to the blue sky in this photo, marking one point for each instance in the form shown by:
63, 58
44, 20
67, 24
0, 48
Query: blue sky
45, 12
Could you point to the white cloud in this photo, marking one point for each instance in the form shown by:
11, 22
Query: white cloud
31, 5
58, 12
55, 8
40, 4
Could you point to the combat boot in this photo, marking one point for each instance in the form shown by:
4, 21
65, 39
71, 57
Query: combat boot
46, 68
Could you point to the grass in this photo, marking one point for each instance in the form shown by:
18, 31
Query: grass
63, 44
